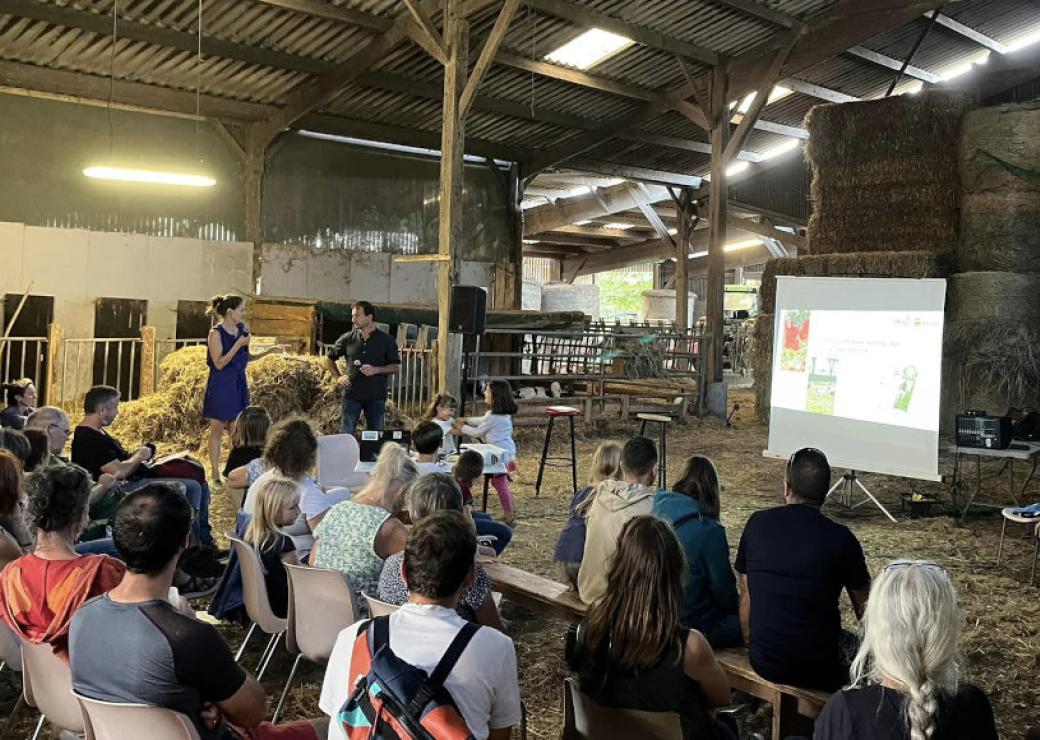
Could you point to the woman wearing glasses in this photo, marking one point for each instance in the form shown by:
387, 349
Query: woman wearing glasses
906, 677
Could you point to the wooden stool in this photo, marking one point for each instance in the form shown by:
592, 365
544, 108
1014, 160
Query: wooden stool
558, 462
1017, 519
662, 443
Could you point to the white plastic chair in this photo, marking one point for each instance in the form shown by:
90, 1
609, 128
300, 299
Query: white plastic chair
338, 455
584, 719
258, 605
104, 720
321, 605
47, 686
377, 608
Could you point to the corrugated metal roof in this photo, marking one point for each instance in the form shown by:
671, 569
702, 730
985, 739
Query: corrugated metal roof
278, 49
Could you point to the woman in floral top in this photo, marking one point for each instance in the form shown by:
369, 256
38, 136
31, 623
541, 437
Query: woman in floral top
436, 492
356, 536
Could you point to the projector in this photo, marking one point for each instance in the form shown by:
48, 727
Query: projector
979, 429
492, 455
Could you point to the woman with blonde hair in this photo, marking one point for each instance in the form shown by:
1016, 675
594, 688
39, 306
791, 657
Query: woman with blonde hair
277, 506
631, 651
356, 536
906, 677
606, 465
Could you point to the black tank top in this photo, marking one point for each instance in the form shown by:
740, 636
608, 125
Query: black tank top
664, 687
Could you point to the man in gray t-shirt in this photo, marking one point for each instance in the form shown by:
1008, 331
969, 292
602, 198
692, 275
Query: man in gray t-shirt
133, 645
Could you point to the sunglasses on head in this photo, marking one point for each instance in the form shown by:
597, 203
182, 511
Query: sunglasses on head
910, 563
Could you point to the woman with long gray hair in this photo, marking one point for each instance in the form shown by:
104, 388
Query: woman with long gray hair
906, 677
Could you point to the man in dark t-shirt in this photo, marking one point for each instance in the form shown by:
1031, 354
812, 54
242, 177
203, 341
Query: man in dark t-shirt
134, 644
371, 358
793, 563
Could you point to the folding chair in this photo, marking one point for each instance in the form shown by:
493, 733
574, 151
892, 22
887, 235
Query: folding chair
584, 719
377, 608
47, 686
338, 455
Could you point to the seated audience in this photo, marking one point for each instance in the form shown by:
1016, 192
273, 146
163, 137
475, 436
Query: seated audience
427, 439
606, 465
39, 449
105, 495
432, 493
614, 502
291, 452
133, 645
14, 539
710, 599
41, 591
247, 441
441, 412
21, 398
794, 563
16, 442
438, 568
906, 677
99, 452
356, 536
468, 469
277, 506
631, 650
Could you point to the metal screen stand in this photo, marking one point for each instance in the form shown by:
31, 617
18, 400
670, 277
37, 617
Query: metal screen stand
845, 488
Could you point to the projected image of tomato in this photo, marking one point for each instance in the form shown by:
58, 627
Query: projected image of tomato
795, 346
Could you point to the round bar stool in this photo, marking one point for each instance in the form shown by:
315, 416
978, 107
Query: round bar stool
1010, 516
555, 412
662, 443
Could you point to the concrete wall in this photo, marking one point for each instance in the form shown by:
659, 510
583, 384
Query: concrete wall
337, 275
77, 267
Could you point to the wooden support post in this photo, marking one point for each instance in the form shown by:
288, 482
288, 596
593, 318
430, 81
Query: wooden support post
252, 190
50, 389
718, 200
453, 136
682, 265
146, 384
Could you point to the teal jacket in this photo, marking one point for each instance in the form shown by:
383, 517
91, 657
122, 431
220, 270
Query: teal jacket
710, 591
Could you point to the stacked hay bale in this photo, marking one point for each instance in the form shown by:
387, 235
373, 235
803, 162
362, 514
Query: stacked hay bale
885, 200
993, 308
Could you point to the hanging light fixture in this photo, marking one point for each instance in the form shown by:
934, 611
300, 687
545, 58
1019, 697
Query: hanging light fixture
113, 171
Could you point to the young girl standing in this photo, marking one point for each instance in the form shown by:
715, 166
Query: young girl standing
496, 428
441, 412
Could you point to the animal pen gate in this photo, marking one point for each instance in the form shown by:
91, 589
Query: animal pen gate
624, 367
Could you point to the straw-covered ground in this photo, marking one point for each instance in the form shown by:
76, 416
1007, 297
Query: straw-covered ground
1001, 640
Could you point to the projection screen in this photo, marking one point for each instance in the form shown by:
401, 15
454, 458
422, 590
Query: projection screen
857, 364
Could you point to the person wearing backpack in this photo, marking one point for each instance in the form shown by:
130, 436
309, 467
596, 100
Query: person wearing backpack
710, 599
468, 672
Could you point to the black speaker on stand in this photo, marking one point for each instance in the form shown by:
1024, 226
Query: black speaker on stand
468, 317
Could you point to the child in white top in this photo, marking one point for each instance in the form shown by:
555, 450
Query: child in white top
426, 439
441, 412
496, 428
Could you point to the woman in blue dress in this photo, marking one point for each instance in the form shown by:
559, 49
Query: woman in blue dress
227, 392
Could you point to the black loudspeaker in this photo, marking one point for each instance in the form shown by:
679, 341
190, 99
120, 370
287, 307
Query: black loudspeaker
468, 309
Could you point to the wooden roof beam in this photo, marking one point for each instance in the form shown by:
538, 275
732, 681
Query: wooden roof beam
759, 11
969, 33
883, 60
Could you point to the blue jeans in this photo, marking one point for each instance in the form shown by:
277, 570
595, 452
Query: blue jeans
375, 410
488, 526
197, 495
103, 546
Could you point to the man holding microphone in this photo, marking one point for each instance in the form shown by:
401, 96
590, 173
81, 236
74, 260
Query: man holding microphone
371, 357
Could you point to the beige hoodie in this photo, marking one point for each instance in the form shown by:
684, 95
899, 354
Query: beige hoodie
615, 503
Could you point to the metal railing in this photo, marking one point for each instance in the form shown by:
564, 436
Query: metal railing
25, 357
83, 363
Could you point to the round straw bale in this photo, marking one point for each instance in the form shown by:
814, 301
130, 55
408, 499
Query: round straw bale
1000, 231
1001, 296
1000, 149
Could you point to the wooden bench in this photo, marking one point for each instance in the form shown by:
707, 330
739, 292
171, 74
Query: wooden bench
793, 708
535, 590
